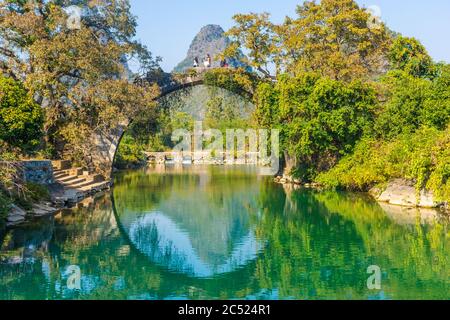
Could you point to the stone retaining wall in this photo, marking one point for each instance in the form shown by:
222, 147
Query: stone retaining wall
37, 171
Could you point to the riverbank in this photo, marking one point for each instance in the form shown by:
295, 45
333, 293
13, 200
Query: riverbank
398, 192
66, 191
69, 199
66, 187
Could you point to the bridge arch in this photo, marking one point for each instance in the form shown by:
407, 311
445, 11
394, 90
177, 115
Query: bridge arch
106, 144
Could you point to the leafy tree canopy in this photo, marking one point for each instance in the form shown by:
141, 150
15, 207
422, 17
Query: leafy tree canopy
332, 37
21, 119
320, 119
409, 55
75, 65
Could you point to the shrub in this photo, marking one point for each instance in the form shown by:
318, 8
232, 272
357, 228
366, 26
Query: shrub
30, 194
130, 153
414, 102
37, 192
422, 157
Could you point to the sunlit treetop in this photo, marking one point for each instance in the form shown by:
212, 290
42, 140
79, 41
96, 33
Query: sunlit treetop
335, 38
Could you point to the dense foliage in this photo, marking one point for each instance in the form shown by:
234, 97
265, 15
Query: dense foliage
411, 137
357, 105
422, 156
21, 119
320, 119
21, 124
75, 66
333, 37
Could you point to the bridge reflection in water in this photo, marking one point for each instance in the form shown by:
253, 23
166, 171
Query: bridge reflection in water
198, 230
224, 233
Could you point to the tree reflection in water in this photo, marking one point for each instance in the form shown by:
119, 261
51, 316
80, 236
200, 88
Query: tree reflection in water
225, 233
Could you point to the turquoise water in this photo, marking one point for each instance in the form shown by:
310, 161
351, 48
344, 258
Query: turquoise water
225, 233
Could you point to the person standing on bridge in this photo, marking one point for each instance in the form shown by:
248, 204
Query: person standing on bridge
207, 61
196, 63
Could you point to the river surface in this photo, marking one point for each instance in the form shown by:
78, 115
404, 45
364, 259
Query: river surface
226, 233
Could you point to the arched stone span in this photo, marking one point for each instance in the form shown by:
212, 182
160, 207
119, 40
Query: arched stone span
107, 144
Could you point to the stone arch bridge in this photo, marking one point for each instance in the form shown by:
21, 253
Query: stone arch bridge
106, 145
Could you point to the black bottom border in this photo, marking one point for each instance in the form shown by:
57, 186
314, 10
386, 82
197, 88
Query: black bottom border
225, 309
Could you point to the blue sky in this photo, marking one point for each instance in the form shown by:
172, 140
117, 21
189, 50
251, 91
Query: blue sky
168, 27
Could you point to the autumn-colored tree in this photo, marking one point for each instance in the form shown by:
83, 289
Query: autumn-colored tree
335, 38
65, 55
256, 34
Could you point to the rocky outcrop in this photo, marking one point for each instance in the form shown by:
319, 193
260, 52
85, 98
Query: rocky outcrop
17, 215
401, 192
210, 40
68, 187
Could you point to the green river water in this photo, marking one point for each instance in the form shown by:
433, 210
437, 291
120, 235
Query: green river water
226, 233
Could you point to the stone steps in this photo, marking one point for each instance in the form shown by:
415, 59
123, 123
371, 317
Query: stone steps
60, 175
73, 185
75, 180
61, 164
82, 184
78, 183
96, 186
66, 179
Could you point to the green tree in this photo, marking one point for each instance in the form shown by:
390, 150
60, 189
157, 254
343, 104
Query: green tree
401, 113
436, 111
320, 119
409, 55
255, 33
413, 102
21, 119
422, 156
